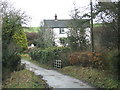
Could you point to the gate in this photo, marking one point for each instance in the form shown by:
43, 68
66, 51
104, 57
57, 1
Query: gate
58, 64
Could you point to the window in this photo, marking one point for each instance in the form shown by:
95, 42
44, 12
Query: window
62, 31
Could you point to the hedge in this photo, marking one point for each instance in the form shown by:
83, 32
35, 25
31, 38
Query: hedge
86, 59
49, 55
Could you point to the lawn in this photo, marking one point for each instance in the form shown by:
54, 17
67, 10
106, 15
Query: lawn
24, 79
31, 29
97, 25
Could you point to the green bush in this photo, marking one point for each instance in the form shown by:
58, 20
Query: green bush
112, 61
49, 55
12, 62
20, 39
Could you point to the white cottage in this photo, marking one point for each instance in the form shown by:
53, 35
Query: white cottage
61, 27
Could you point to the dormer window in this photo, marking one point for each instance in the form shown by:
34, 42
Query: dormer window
62, 31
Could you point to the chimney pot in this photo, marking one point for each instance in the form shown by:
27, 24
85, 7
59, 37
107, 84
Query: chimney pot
55, 16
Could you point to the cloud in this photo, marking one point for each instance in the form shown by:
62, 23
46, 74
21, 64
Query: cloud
46, 9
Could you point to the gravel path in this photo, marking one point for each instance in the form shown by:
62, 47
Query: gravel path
54, 78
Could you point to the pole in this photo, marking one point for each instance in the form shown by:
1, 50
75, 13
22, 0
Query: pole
118, 26
91, 27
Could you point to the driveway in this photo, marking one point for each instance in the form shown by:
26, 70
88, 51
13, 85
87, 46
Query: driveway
54, 78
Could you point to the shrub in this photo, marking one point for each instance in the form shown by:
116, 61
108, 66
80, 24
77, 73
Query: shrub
74, 58
112, 60
49, 55
20, 39
86, 59
11, 64
105, 60
13, 38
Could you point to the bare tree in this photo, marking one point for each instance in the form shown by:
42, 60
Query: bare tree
46, 37
77, 34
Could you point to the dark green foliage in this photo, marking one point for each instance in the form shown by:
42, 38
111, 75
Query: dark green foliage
49, 55
63, 41
112, 61
9, 65
118, 39
105, 38
12, 63
79, 43
77, 32
13, 37
106, 13
72, 43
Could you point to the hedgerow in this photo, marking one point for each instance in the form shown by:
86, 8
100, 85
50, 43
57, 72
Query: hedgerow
49, 55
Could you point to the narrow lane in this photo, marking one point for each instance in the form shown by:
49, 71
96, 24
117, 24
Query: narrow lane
54, 78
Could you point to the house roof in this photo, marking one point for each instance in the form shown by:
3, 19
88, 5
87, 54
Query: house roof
66, 23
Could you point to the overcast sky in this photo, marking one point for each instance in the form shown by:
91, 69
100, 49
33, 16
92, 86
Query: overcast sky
39, 10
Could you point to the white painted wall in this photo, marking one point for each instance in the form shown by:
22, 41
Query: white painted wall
88, 33
57, 34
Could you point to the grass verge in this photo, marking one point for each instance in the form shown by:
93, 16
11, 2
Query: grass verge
94, 77
24, 79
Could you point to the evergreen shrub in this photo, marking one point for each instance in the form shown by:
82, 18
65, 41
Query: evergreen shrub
49, 55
